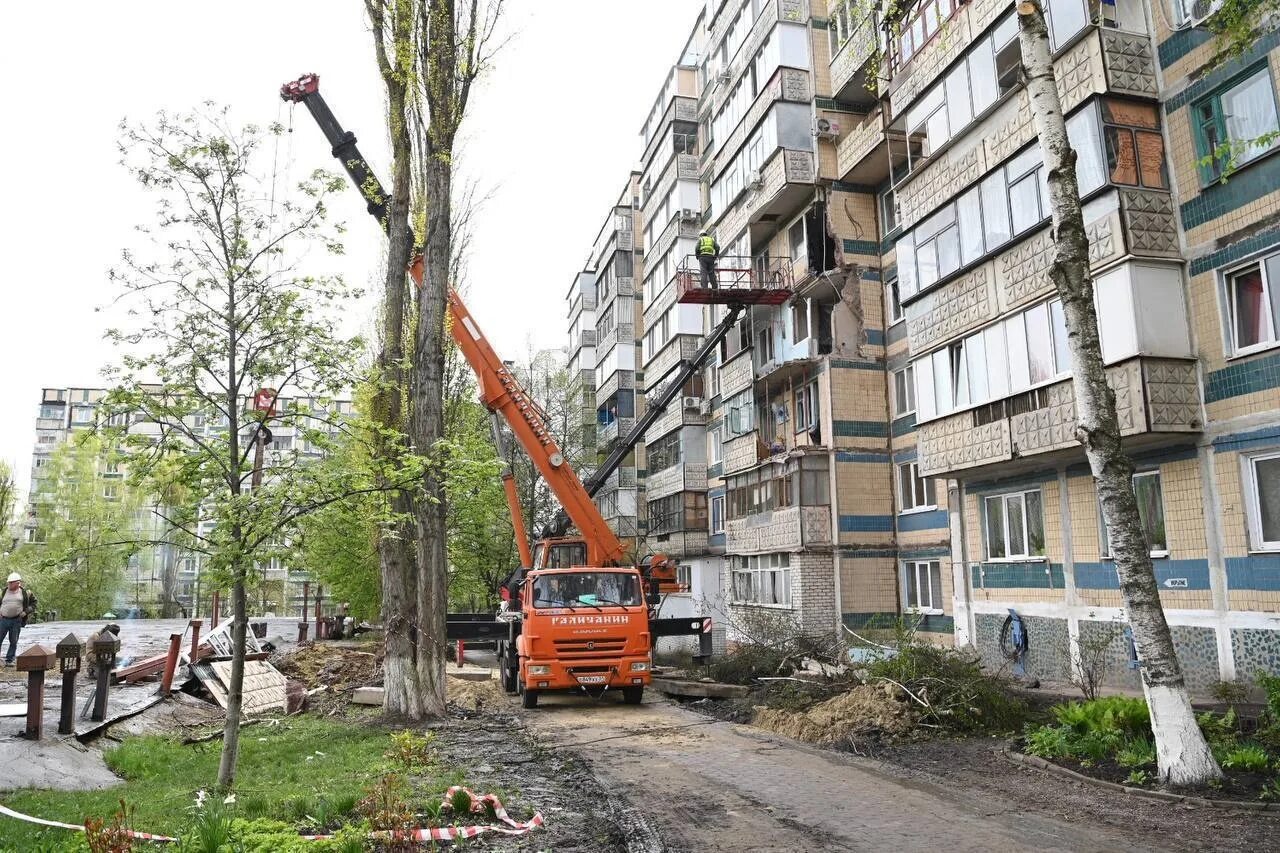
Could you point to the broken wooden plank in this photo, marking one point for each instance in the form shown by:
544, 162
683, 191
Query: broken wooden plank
699, 689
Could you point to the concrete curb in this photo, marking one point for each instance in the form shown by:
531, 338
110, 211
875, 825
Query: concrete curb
1165, 796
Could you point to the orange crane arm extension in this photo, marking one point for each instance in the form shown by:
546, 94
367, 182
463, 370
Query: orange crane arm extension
501, 392
499, 388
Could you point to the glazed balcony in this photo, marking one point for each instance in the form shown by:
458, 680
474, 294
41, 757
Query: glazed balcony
685, 477
793, 528
1154, 397
618, 380
742, 452
679, 347
622, 333
736, 374
676, 416
680, 543
610, 433
850, 65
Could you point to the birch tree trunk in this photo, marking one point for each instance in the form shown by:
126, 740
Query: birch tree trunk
1182, 753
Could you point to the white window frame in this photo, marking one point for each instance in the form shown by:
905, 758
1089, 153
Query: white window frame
716, 517
1027, 556
808, 411
1156, 553
911, 570
1229, 297
756, 568
907, 377
892, 304
1250, 463
925, 484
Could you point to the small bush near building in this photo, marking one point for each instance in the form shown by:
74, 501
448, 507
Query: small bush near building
1111, 738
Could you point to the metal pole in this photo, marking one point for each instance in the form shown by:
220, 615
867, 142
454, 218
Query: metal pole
100, 694
195, 638
170, 664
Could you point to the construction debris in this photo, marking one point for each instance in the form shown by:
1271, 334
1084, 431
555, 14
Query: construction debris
264, 686
686, 688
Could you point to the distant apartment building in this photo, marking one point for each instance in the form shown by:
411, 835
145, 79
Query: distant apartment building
65, 411
899, 438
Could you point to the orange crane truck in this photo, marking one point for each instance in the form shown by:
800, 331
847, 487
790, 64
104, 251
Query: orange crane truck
578, 616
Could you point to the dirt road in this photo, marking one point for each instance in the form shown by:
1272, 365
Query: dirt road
695, 784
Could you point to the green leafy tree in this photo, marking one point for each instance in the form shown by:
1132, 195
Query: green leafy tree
222, 306
86, 529
8, 501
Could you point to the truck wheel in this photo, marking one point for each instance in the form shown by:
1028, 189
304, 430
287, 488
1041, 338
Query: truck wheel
507, 676
528, 698
633, 695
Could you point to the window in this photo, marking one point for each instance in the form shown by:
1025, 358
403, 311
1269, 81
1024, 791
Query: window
1146, 488
682, 511
1264, 501
739, 414
82, 415
663, 453
762, 579
893, 300
922, 582
1014, 526
1235, 125
717, 515
1253, 303
806, 407
1132, 144
684, 576
904, 392
914, 492
715, 451
888, 212
795, 238
799, 320
110, 491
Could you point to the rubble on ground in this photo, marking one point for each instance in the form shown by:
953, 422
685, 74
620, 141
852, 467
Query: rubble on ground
868, 709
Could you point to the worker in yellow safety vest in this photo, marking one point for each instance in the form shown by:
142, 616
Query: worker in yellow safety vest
707, 251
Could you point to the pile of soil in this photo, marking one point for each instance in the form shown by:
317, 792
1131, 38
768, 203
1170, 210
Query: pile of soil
471, 697
881, 709
339, 671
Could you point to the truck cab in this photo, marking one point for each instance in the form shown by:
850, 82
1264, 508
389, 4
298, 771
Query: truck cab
584, 630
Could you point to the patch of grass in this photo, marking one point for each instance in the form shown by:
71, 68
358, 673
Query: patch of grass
1137, 752
1249, 757
283, 770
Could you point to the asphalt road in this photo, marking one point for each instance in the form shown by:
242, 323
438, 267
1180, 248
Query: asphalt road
697, 784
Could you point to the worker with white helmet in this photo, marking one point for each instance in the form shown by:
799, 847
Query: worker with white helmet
16, 606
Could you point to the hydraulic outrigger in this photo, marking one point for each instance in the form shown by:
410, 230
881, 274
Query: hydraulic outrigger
577, 615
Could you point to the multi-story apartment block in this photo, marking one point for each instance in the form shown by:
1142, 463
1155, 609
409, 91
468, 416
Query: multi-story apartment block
581, 301
65, 411
899, 437
617, 261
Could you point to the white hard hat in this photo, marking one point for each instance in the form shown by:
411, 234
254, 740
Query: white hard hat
14, 576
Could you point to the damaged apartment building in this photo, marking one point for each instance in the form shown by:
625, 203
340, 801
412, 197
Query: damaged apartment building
898, 437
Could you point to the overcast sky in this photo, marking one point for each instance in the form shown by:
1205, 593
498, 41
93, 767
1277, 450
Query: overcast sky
550, 136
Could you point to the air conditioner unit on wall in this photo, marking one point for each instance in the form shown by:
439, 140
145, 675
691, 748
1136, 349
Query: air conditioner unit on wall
826, 129
690, 214
692, 402
1202, 9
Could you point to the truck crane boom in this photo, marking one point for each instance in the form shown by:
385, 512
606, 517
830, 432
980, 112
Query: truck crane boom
500, 390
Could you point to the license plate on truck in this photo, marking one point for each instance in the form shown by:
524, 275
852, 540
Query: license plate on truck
591, 679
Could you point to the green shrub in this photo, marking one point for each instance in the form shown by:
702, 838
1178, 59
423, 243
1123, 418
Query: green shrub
1048, 741
1136, 752
1249, 757
1124, 714
1099, 745
1138, 777
1220, 730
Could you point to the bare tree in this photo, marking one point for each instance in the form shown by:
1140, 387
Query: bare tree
1183, 755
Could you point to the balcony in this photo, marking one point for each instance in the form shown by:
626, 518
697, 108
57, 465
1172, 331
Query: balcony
660, 364
610, 433
793, 361
786, 184
736, 374
49, 423
621, 333
687, 477
1154, 396
586, 338
862, 154
624, 477
849, 66
617, 380
742, 452
675, 417
793, 528
795, 11
787, 84
680, 543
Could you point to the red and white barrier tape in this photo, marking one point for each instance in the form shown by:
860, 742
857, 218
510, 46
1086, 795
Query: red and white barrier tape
478, 803
145, 836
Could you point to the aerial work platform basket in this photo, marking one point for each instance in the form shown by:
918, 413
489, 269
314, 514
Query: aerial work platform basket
739, 280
